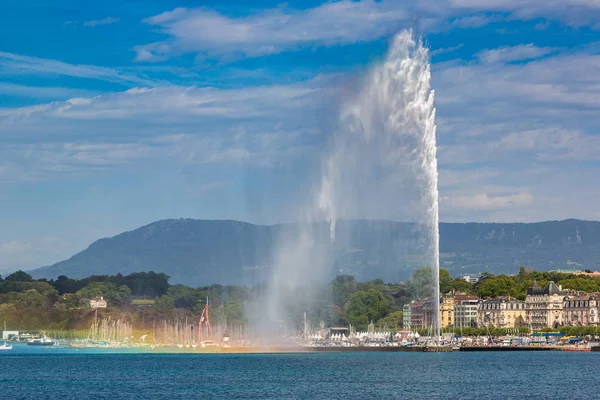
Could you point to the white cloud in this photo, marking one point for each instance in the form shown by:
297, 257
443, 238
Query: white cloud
16, 64
40, 92
103, 21
514, 53
447, 49
508, 129
262, 126
484, 201
574, 12
541, 26
551, 104
474, 21
212, 34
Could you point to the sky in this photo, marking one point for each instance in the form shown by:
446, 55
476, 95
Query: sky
115, 114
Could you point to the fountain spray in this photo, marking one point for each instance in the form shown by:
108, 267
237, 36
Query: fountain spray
383, 162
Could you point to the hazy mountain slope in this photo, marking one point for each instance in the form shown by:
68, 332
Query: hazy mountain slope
199, 252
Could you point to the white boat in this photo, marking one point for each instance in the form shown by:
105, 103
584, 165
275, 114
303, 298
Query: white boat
44, 341
5, 346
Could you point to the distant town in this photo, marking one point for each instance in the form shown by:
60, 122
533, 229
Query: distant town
144, 308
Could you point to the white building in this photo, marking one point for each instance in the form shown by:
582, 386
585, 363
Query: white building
465, 311
544, 307
471, 279
6, 335
580, 310
501, 312
98, 302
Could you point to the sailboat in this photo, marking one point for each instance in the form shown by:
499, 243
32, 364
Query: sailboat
5, 347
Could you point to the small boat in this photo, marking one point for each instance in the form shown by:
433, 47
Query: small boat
5, 346
45, 341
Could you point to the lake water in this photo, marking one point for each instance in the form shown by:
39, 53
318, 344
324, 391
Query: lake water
39, 373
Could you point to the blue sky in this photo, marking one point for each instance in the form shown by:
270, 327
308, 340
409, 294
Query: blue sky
114, 114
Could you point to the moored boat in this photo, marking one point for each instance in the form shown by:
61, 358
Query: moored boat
44, 341
5, 347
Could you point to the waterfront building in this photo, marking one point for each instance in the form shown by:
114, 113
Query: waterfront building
416, 314
580, 309
429, 312
465, 310
470, 279
544, 307
8, 335
406, 317
501, 312
447, 310
98, 302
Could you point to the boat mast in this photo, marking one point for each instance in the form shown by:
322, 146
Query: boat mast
204, 319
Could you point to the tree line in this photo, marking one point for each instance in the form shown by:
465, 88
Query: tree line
63, 303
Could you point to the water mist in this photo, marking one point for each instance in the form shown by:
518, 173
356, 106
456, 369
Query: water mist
382, 165
383, 161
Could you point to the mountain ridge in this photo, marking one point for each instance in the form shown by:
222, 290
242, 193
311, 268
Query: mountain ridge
201, 252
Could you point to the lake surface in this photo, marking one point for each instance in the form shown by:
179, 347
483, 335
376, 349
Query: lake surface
39, 373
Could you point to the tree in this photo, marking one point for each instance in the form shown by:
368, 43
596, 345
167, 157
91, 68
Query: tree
183, 296
460, 285
581, 284
365, 306
342, 288
393, 321
19, 276
422, 283
65, 285
113, 295
500, 285
165, 307
148, 284
124, 295
445, 281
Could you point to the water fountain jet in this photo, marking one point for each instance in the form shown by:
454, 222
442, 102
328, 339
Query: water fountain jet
383, 161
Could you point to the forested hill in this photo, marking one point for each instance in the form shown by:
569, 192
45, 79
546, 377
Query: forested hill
201, 252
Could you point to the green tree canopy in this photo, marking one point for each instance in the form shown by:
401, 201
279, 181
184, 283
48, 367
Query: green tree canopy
19, 276
460, 285
365, 306
445, 281
393, 321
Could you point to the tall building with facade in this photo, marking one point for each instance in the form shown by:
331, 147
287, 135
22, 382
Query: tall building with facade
580, 309
406, 317
447, 310
416, 315
465, 310
501, 312
544, 307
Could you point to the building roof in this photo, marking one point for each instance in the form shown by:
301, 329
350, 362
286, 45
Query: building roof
459, 298
585, 296
502, 299
551, 288
535, 289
